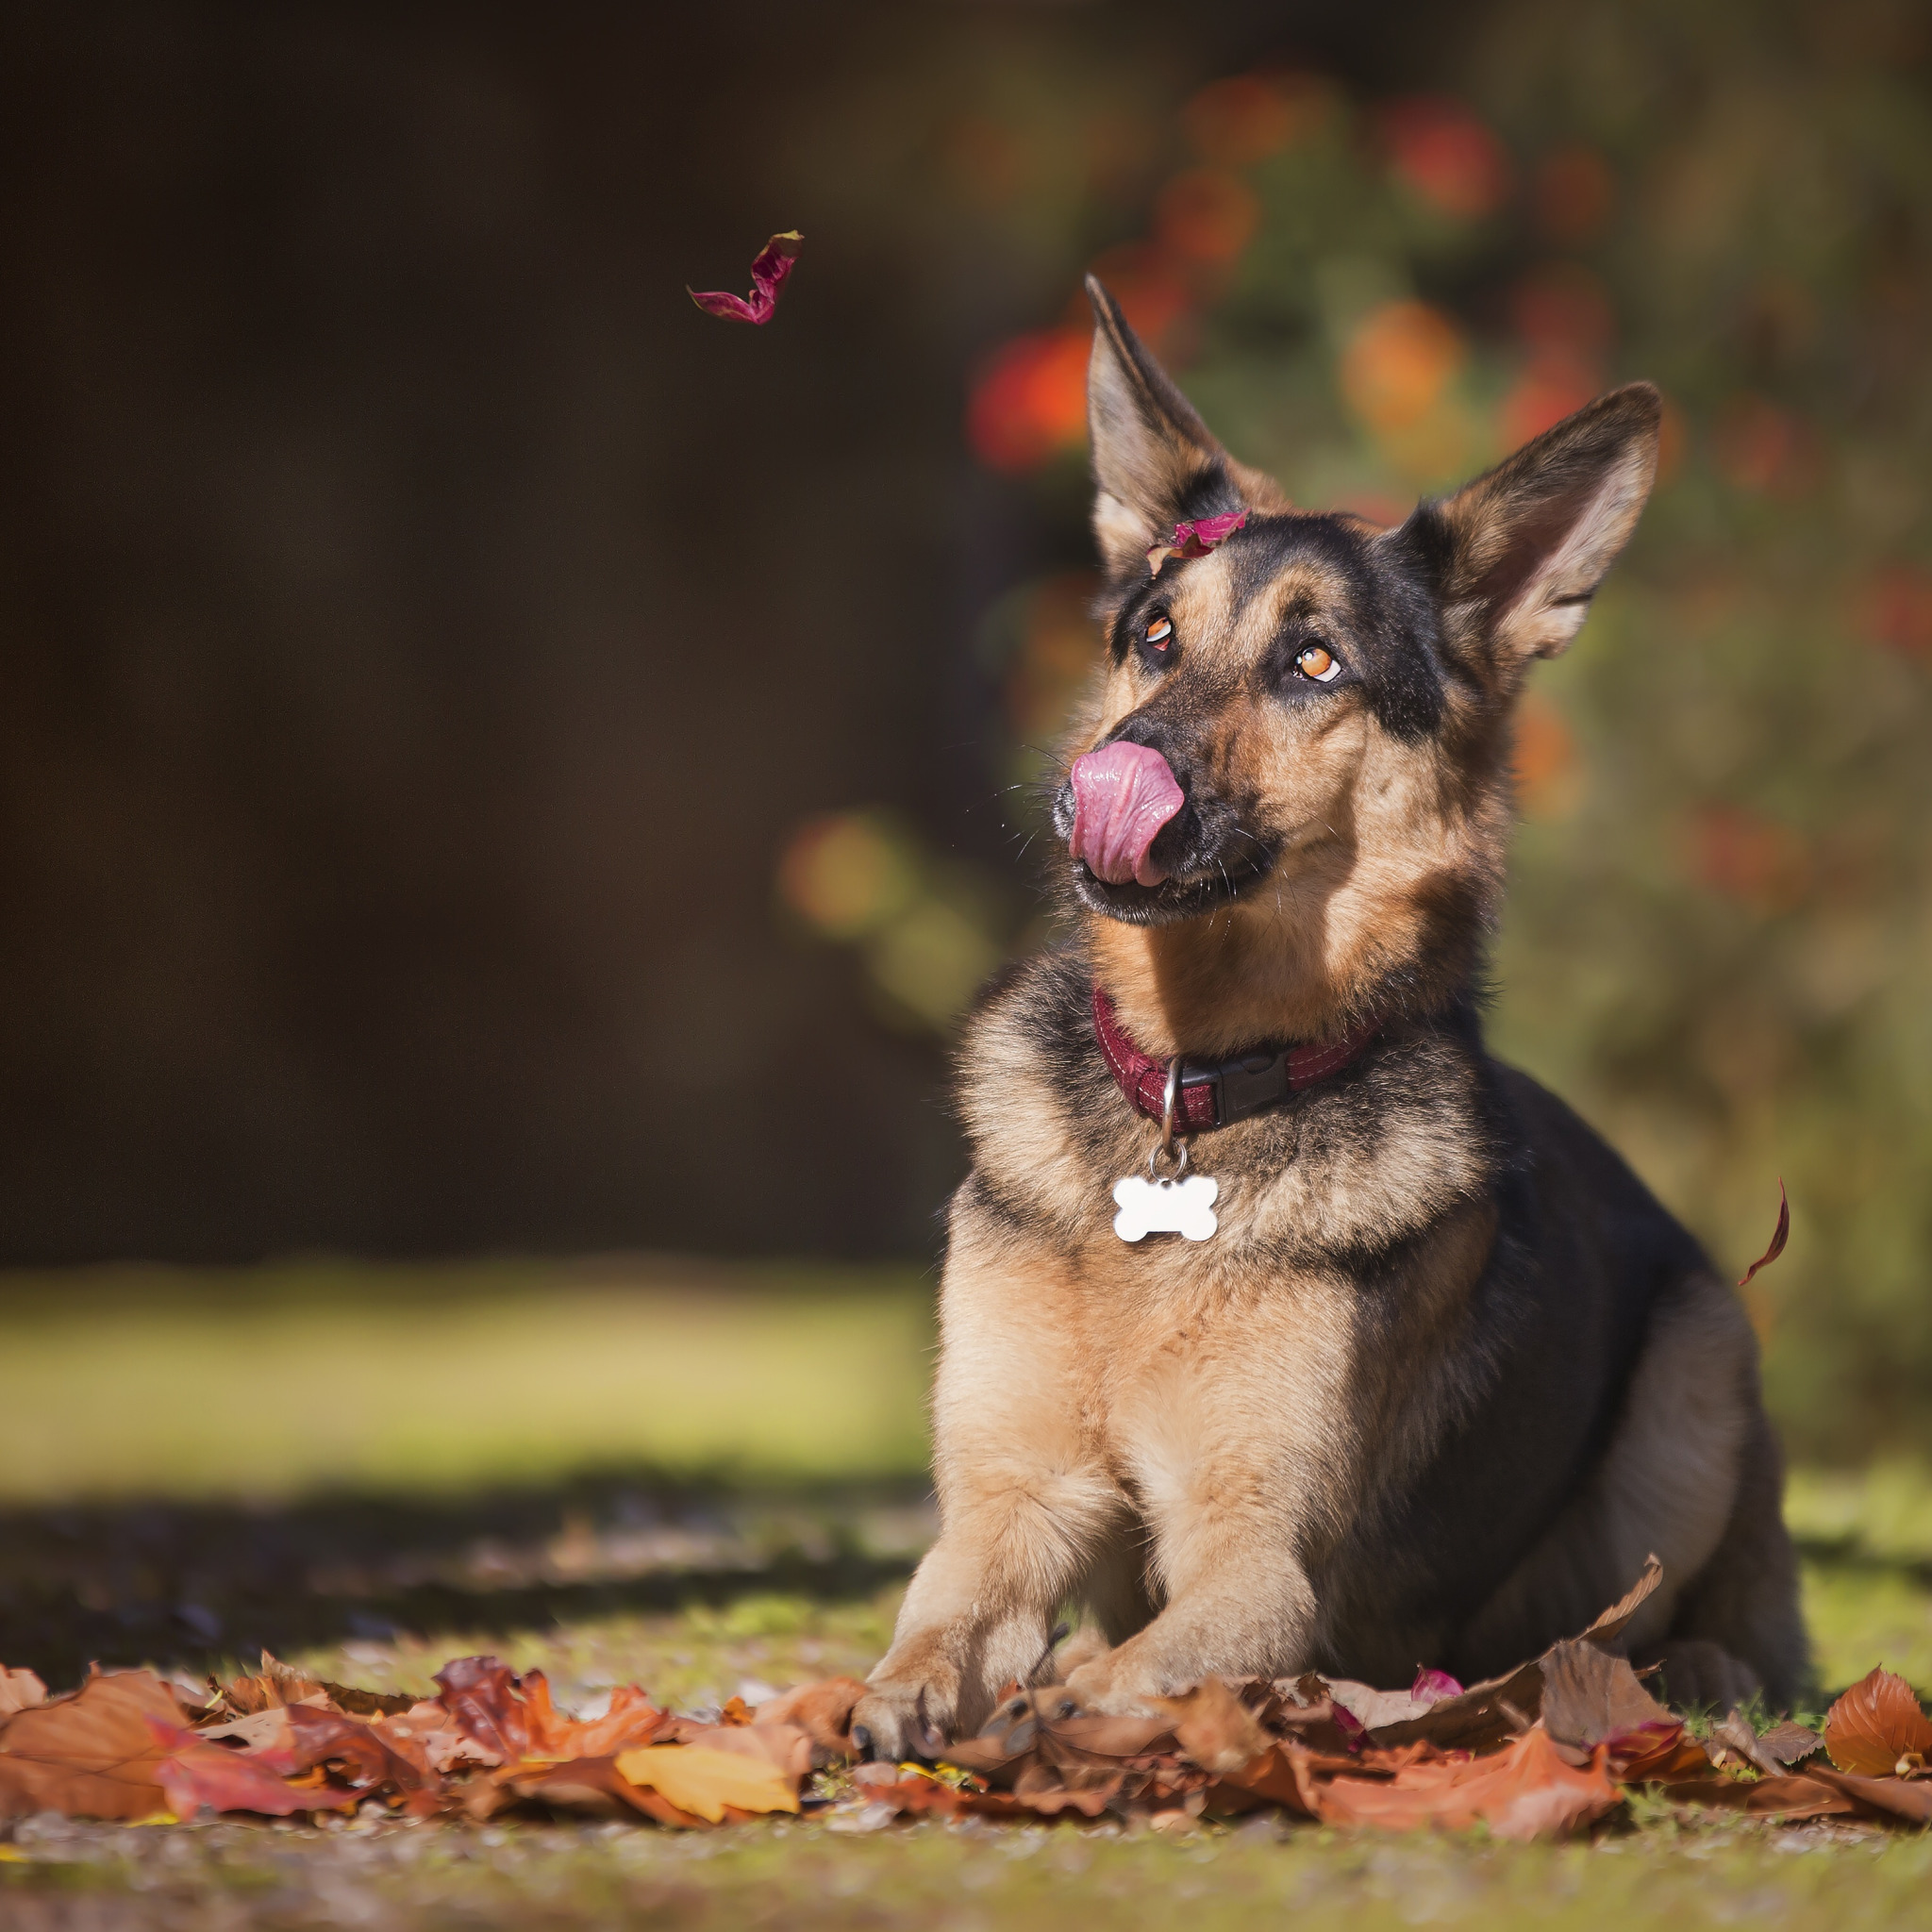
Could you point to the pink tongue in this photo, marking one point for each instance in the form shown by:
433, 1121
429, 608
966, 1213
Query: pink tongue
1122, 795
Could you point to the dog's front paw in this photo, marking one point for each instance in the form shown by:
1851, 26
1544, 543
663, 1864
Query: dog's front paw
902, 1717
1111, 1686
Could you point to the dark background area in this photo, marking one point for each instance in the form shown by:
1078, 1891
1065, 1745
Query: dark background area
418, 624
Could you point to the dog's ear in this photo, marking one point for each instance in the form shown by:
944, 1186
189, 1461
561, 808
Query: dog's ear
1154, 464
1521, 550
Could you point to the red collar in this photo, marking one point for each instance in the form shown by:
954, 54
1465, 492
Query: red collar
1216, 1093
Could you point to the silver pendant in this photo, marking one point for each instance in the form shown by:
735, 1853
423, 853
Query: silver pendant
1180, 1203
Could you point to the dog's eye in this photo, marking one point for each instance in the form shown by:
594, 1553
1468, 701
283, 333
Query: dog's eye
1316, 662
1159, 633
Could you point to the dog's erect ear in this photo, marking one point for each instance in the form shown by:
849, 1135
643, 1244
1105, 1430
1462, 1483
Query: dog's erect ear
1154, 464
1523, 548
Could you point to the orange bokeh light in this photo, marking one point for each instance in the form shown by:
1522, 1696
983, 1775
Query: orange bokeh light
1399, 363
1763, 449
1574, 194
1898, 608
1562, 308
1031, 403
1750, 858
1244, 119
1550, 389
1449, 157
1206, 215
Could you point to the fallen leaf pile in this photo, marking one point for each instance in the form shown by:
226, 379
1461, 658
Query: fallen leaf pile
1545, 1751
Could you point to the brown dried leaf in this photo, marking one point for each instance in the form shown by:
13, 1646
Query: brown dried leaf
1611, 1624
20, 1691
590, 1784
1895, 1797
1780, 1235
1214, 1727
704, 1779
1592, 1698
199, 1777
822, 1711
368, 1758
480, 1694
1768, 1797
91, 1752
1877, 1728
1790, 1743
1528, 1789
427, 1732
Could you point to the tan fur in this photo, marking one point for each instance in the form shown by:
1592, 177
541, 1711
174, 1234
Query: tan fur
1213, 1444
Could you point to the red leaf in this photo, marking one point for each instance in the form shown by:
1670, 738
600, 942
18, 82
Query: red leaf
1779, 1236
198, 1776
1431, 1687
1196, 538
767, 273
1876, 1727
480, 1694
1524, 1790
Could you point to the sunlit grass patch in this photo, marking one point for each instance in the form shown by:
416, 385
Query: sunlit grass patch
270, 1382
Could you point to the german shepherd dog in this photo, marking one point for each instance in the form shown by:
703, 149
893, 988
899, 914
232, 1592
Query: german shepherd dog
1444, 1372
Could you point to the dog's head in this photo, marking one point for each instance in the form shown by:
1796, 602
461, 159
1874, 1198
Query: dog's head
1300, 739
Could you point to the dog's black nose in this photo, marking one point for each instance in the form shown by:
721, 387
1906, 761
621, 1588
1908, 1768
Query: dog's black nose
861, 1743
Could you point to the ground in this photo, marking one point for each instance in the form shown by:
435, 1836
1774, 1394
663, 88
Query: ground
698, 1480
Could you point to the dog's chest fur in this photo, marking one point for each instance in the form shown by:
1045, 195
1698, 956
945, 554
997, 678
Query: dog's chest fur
1332, 1357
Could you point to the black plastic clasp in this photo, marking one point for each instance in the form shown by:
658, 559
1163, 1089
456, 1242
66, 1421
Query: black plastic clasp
1249, 1085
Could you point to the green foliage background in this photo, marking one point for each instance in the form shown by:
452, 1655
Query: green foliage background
1766, 262
1717, 942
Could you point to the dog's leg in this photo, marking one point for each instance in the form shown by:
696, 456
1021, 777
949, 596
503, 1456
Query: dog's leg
1024, 1500
1240, 1604
1692, 1473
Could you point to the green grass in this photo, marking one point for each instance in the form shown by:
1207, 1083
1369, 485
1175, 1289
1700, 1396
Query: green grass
689, 1478
269, 1383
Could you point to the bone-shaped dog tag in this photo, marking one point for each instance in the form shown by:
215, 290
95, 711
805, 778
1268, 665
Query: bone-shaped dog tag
1165, 1206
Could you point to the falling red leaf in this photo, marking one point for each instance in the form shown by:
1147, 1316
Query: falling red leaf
767, 273
1780, 1235
1876, 1727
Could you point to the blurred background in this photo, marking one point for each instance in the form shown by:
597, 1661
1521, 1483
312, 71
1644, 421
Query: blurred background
499, 768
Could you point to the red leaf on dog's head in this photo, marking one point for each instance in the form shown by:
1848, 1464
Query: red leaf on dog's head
767, 273
1877, 1728
1196, 538
1780, 1235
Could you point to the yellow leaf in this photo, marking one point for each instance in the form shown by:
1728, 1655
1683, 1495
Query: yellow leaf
702, 1781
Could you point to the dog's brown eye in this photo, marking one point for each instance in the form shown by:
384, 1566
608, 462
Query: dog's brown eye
1159, 634
1313, 661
